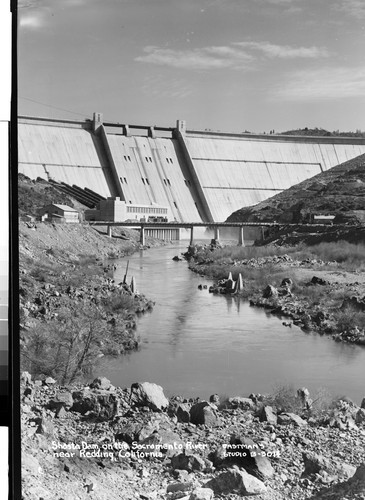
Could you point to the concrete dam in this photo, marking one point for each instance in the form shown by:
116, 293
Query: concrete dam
199, 176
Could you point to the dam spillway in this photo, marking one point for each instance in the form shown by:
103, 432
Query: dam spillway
199, 176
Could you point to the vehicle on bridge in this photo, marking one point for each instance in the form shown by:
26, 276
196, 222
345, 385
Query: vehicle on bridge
157, 218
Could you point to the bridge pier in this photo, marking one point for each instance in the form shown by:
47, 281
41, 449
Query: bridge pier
142, 237
216, 233
109, 231
191, 236
241, 239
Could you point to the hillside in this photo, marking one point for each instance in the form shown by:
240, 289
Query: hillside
339, 191
35, 194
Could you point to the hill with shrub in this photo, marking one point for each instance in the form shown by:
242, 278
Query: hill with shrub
339, 191
321, 132
35, 194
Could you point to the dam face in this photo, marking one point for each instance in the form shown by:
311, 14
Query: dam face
199, 176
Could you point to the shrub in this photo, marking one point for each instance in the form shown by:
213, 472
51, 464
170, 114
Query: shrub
322, 402
348, 318
350, 255
119, 302
284, 398
66, 347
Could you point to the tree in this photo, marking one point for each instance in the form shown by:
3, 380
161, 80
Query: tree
66, 347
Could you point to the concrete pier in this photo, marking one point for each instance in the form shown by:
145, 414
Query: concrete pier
191, 236
239, 284
241, 239
216, 233
109, 231
142, 237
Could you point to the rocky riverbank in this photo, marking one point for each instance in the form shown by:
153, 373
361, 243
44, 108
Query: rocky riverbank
71, 309
317, 295
104, 442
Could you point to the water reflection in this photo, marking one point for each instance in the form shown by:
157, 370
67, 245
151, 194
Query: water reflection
196, 343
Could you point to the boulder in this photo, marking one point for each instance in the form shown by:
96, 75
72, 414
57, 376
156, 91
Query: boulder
218, 456
204, 413
291, 419
139, 431
129, 432
344, 415
101, 383
173, 487
44, 426
352, 488
286, 282
61, 412
318, 281
61, 400
304, 397
315, 463
284, 292
268, 414
164, 441
49, 381
242, 403
190, 462
270, 291
183, 413
26, 378
236, 481
103, 404
248, 454
230, 283
202, 494
214, 398
360, 416
359, 476
148, 394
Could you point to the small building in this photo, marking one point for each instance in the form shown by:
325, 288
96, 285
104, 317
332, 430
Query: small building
116, 210
323, 219
59, 213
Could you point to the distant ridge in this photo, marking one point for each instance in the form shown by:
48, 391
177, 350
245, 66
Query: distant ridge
321, 132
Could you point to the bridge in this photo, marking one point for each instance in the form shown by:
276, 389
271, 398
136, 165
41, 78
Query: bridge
191, 225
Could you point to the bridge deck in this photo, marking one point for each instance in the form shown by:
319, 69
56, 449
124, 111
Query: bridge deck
169, 225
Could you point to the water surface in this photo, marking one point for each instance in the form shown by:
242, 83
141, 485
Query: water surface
195, 343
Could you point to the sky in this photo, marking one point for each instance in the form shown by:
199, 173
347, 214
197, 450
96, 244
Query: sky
227, 65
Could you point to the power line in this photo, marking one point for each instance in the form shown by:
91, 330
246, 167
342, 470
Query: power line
54, 107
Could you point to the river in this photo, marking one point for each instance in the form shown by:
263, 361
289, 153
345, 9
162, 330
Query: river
195, 343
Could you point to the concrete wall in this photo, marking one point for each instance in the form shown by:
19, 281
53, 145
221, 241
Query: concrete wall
199, 176
237, 172
149, 171
65, 152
